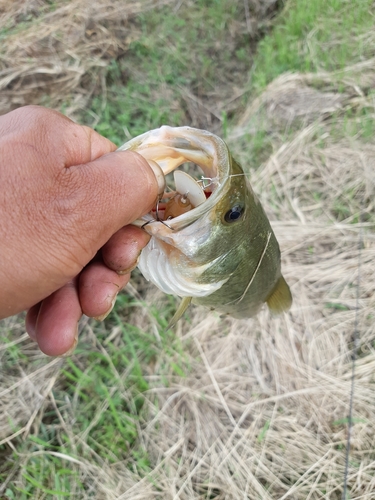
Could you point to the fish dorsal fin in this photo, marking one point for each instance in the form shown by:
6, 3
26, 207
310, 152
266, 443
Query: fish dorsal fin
184, 304
280, 299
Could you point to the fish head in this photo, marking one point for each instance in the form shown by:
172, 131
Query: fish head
212, 251
223, 179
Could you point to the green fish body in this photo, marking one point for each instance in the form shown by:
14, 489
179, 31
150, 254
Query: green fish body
222, 254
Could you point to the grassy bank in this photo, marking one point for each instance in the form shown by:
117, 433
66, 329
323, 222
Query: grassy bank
137, 412
313, 37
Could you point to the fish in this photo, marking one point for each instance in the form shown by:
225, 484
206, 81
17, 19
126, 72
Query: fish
220, 251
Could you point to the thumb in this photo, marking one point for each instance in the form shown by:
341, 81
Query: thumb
113, 191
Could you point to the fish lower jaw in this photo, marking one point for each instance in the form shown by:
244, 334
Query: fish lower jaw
164, 272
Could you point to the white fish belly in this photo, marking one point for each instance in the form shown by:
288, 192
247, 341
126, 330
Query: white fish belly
167, 273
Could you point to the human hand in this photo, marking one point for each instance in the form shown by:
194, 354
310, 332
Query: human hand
66, 199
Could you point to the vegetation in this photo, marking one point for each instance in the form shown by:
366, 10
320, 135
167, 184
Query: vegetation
141, 412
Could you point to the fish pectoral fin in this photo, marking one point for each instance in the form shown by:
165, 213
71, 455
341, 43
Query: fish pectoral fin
184, 304
280, 299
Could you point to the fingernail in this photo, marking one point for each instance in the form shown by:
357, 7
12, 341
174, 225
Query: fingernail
72, 349
103, 316
31, 334
131, 268
158, 172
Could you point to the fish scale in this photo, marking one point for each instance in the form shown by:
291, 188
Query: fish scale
223, 253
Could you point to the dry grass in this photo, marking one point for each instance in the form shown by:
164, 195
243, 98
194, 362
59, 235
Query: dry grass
261, 412
312, 96
62, 54
64, 49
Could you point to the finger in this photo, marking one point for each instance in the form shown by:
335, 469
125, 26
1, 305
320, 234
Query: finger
98, 289
122, 251
57, 324
101, 197
83, 145
63, 141
31, 319
120, 187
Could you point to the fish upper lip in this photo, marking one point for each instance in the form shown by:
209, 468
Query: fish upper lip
170, 147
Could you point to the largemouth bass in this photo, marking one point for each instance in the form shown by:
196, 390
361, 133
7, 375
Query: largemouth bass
219, 250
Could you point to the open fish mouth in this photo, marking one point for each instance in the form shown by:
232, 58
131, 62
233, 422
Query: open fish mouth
190, 196
211, 241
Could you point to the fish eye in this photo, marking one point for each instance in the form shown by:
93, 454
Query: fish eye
234, 214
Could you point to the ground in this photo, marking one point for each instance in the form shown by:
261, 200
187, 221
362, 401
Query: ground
217, 408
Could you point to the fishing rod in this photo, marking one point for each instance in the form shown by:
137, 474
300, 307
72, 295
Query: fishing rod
355, 340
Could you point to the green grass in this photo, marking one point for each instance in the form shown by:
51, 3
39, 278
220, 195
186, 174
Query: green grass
197, 50
100, 396
314, 36
197, 53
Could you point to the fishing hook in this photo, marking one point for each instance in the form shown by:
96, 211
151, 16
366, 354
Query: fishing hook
157, 218
211, 181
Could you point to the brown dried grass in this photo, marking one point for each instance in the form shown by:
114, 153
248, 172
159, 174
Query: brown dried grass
64, 50
261, 413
